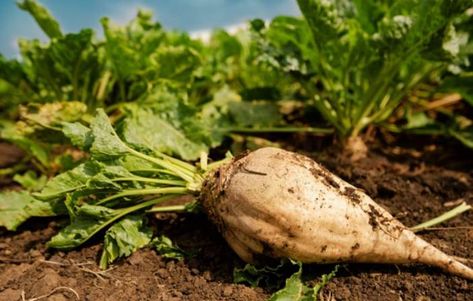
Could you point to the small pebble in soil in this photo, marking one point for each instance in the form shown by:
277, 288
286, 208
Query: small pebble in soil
163, 273
207, 276
177, 294
227, 291
198, 282
35, 253
135, 259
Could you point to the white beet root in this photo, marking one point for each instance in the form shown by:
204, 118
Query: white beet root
281, 204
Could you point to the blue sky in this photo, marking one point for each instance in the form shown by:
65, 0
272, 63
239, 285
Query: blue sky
190, 15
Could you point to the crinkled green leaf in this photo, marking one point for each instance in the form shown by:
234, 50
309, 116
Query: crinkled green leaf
129, 48
30, 180
133, 163
176, 62
43, 17
160, 132
42, 122
102, 182
269, 275
324, 281
167, 249
18, 206
369, 54
68, 181
67, 68
79, 134
52, 114
296, 290
106, 144
124, 238
89, 220
115, 169
143, 56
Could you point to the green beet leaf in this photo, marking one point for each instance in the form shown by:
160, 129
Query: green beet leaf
160, 131
296, 290
30, 180
167, 249
369, 54
43, 17
269, 275
129, 48
18, 206
71, 180
106, 144
50, 115
324, 281
124, 238
79, 134
176, 63
89, 220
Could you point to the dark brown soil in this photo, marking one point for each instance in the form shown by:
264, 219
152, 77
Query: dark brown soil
413, 183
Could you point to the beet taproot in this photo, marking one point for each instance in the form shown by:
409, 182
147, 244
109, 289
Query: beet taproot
284, 205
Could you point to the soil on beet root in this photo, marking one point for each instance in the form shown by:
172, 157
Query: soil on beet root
413, 183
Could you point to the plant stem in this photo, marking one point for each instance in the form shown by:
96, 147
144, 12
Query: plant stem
175, 208
186, 175
216, 164
149, 180
442, 218
128, 210
103, 82
11, 170
155, 170
179, 163
167, 190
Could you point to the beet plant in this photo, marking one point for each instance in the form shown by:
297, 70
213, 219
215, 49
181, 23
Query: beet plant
269, 202
356, 61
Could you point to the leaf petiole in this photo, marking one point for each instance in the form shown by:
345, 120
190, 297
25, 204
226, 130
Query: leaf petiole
150, 180
148, 191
